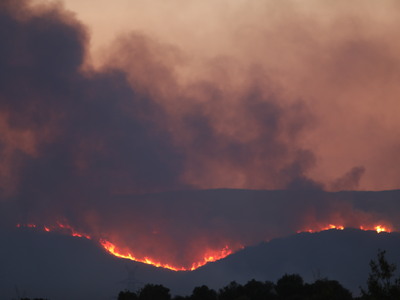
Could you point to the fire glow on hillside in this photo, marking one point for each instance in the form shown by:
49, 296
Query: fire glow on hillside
209, 255
377, 228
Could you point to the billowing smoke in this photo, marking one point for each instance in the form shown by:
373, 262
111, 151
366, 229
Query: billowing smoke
88, 145
70, 130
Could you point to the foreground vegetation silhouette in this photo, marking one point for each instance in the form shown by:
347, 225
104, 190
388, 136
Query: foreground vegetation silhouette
381, 285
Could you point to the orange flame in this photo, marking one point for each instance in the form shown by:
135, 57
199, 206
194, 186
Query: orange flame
323, 228
209, 256
380, 229
377, 228
111, 248
72, 231
217, 255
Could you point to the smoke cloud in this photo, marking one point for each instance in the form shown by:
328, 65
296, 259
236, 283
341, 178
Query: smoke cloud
290, 103
338, 60
350, 180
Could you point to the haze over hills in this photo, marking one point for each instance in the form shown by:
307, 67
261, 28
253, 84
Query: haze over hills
57, 266
341, 255
62, 267
184, 227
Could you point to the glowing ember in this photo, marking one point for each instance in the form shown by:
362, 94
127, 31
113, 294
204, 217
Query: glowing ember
72, 231
26, 225
335, 227
323, 228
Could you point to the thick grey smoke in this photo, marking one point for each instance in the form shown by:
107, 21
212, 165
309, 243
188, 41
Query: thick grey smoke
71, 134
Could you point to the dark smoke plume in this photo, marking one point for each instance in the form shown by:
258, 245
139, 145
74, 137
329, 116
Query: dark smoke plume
71, 133
348, 181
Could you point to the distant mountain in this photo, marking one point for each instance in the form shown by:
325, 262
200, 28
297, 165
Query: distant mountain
62, 267
59, 267
342, 255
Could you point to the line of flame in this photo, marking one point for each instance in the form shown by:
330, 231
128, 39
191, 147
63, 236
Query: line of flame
114, 250
377, 228
216, 255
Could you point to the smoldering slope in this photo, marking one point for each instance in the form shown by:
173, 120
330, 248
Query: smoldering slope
289, 103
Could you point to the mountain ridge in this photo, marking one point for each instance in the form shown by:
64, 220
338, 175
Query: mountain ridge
48, 264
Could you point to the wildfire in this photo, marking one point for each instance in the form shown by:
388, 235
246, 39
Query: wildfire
111, 248
72, 231
381, 229
217, 255
377, 228
323, 228
210, 256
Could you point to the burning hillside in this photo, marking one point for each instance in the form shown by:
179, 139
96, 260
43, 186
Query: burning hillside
209, 255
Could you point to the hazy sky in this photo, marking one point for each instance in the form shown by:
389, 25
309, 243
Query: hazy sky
330, 67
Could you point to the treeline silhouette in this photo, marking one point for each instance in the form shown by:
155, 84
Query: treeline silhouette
381, 285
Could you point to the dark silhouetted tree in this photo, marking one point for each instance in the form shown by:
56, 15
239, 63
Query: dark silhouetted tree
233, 291
154, 292
328, 290
256, 290
203, 293
127, 295
381, 283
290, 287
